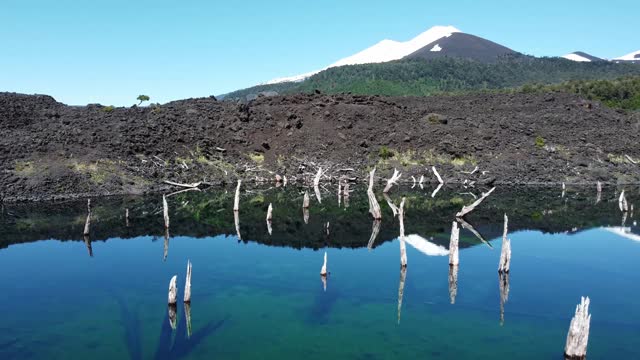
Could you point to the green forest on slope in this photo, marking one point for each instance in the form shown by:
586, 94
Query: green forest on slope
621, 93
448, 75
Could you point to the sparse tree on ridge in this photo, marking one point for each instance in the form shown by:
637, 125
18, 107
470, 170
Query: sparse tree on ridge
143, 98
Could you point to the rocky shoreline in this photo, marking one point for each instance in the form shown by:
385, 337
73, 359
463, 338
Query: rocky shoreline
49, 150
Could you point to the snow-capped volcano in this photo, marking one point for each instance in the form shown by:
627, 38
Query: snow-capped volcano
580, 56
634, 56
385, 50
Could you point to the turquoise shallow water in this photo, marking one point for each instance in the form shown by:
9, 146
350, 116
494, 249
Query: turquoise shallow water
263, 299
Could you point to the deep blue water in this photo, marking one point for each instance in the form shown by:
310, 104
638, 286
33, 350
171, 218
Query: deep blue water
255, 300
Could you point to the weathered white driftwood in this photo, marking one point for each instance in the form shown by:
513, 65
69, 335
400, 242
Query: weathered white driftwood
413, 178
467, 209
453, 245
236, 200
471, 172
192, 185
392, 180
421, 182
323, 270
435, 192
374, 207
187, 284
622, 202
173, 290
564, 189
435, 172
87, 223
453, 283
403, 278
631, 159
339, 193
182, 191
403, 247
316, 185
505, 253
599, 192
165, 212
126, 217
327, 228
578, 336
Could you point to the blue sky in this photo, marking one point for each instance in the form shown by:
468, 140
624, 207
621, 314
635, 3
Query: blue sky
109, 52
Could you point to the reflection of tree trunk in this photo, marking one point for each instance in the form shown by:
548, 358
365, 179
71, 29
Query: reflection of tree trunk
403, 277
503, 280
269, 217
453, 283
345, 195
87, 241
375, 229
236, 221
470, 227
324, 282
173, 316
187, 315
393, 206
305, 215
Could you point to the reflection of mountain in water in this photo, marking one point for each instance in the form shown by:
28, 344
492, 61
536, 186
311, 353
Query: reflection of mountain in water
631, 233
425, 246
210, 213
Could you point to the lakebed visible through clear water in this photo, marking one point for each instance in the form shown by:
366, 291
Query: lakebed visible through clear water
260, 296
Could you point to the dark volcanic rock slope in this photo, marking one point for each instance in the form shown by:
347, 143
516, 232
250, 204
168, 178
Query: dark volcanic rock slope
48, 149
461, 45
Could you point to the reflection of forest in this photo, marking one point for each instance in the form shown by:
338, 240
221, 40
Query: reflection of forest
210, 213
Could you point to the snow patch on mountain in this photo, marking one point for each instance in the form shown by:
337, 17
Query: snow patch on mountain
384, 51
630, 57
576, 57
436, 48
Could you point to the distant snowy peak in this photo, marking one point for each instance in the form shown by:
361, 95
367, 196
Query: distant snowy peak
389, 50
634, 56
383, 51
580, 56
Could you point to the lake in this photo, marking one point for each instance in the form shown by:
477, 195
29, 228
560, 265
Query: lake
257, 295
